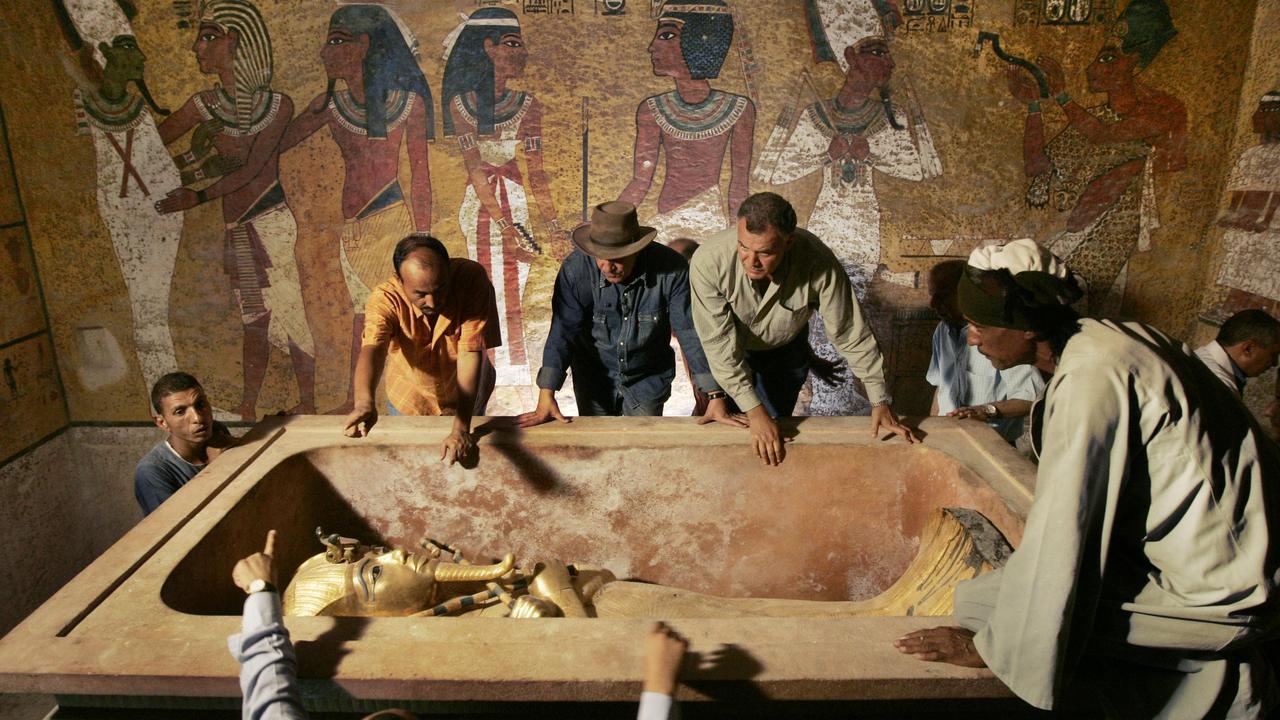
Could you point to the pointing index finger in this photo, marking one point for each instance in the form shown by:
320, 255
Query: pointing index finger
270, 549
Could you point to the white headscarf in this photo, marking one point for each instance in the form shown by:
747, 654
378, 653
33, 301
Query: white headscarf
1019, 256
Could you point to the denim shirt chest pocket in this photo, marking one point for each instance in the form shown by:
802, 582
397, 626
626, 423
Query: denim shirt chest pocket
604, 325
651, 322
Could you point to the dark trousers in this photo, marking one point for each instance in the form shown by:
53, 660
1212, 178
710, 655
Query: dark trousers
611, 403
780, 373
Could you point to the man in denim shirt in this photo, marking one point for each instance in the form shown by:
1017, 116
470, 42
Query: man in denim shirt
617, 299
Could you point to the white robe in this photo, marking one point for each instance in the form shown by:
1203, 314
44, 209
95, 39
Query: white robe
1219, 363
146, 242
1146, 577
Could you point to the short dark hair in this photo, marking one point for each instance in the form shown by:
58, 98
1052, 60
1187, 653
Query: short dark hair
417, 241
1254, 325
174, 382
945, 276
766, 210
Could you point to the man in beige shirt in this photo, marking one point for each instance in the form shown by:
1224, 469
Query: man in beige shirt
754, 289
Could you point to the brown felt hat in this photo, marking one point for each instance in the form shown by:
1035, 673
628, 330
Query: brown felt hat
613, 232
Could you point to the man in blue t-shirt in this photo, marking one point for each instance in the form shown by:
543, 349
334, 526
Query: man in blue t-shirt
182, 410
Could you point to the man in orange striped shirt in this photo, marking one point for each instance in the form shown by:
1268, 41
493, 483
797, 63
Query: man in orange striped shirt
429, 325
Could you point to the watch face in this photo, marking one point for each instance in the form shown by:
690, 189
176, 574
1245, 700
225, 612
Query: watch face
257, 585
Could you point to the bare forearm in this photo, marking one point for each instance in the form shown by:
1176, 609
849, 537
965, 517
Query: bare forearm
469, 365
369, 366
1014, 408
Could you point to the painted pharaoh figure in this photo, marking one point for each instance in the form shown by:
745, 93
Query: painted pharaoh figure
114, 107
1100, 168
493, 124
242, 119
693, 125
849, 139
384, 103
1251, 265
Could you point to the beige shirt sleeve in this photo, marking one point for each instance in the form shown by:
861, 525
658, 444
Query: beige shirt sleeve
848, 330
716, 324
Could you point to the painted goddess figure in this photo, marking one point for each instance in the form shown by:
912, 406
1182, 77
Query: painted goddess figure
693, 125
848, 139
492, 124
1251, 267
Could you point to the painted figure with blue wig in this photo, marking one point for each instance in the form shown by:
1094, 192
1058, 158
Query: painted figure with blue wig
383, 103
242, 120
492, 125
693, 125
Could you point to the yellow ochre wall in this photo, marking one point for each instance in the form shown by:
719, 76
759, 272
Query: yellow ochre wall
975, 124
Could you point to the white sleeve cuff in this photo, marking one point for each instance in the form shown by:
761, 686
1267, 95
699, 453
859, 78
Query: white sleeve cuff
654, 706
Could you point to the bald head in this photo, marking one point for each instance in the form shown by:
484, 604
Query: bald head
424, 276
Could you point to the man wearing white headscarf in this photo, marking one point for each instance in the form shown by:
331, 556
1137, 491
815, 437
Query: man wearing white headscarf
1146, 581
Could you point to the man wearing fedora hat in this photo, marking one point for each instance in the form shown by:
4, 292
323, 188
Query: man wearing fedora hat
617, 299
754, 289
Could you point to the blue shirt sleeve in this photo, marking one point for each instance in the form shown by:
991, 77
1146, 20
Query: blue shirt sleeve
1021, 382
682, 325
656, 706
268, 668
571, 303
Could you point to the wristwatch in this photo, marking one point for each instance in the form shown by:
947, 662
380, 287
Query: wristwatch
991, 411
260, 585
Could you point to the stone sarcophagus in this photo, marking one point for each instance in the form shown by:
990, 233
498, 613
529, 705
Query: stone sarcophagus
847, 518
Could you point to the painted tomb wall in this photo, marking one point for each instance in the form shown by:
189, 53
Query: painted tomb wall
198, 197
31, 398
1243, 243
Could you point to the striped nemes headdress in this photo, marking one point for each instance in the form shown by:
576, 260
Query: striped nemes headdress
252, 61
